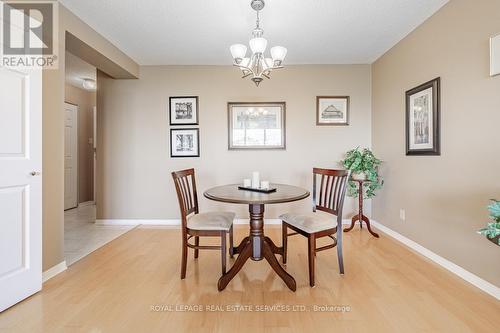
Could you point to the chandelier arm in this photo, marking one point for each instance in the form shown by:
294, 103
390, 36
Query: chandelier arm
245, 68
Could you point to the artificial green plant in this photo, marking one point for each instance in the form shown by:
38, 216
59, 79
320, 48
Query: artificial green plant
492, 229
362, 160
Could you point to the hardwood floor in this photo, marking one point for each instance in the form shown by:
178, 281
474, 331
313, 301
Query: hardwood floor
132, 285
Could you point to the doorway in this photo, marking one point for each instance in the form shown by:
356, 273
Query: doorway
81, 234
81, 100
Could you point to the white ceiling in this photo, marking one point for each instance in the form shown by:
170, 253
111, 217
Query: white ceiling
77, 70
199, 32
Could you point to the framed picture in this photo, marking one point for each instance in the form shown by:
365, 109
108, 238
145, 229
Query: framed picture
495, 55
332, 110
183, 110
184, 142
256, 125
422, 119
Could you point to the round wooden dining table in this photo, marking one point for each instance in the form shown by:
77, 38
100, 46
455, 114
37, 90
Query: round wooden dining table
256, 246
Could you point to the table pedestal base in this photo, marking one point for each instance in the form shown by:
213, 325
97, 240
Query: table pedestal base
257, 247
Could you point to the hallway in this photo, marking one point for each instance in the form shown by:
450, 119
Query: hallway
82, 236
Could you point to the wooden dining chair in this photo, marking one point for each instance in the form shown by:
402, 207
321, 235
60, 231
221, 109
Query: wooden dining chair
325, 223
196, 224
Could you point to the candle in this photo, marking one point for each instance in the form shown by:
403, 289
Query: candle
247, 182
264, 184
255, 179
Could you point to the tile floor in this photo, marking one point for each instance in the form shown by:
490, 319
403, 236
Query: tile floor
82, 236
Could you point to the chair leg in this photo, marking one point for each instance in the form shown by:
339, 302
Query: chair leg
196, 243
339, 250
223, 251
231, 243
184, 256
284, 241
311, 254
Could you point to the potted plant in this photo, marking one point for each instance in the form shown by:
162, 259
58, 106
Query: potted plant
492, 229
364, 166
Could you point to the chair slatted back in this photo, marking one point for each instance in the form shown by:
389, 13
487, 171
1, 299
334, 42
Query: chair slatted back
185, 186
329, 196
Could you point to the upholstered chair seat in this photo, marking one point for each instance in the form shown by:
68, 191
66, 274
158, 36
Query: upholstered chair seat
211, 221
311, 222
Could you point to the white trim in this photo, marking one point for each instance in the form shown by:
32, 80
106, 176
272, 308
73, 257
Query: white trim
494, 70
53, 271
176, 222
473, 279
86, 203
75, 108
172, 222
266, 221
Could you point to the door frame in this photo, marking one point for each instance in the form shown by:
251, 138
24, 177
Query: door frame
94, 151
77, 155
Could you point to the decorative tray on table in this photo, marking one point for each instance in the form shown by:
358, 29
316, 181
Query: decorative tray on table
260, 190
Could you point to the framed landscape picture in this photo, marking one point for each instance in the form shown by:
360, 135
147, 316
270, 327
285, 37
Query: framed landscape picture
183, 110
423, 119
185, 142
256, 125
332, 110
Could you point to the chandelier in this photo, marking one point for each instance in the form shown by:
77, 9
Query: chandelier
257, 65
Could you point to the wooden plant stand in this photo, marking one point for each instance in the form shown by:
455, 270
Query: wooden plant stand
360, 217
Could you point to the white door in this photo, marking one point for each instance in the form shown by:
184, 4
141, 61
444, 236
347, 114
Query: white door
20, 185
70, 156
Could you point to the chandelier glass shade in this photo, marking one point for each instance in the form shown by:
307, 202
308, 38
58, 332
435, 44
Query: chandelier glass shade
257, 66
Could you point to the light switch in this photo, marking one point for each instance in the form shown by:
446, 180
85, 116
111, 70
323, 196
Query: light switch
402, 215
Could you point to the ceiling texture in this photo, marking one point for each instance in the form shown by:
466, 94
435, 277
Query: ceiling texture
199, 32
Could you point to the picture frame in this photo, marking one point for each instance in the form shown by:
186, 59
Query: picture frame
256, 125
495, 55
332, 110
423, 119
184, 142
183, 110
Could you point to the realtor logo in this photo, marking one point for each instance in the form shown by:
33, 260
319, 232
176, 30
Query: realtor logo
29, 34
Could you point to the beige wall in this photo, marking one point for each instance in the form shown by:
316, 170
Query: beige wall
86, 101
133, 146
445, 197
53, 130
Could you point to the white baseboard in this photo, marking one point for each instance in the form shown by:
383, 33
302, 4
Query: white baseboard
266, 221
164, 222
175, 222
135, 222
86, 203
53, 271
473, 279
